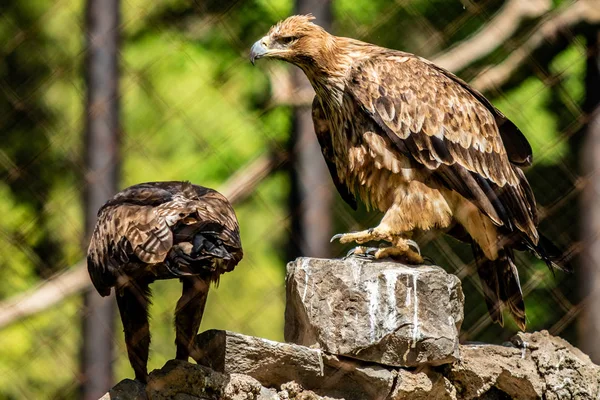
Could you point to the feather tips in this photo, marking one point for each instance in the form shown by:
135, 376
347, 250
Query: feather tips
323, 131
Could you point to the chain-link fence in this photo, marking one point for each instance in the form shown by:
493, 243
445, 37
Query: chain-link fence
193, 108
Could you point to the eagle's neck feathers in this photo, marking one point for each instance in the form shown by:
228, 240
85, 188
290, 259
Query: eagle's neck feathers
328, 71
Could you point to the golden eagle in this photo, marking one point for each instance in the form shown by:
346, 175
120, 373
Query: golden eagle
419, 144
162, 230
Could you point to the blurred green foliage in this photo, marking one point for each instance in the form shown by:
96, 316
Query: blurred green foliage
194, 108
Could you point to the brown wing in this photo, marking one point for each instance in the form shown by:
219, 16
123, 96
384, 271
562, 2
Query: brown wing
517, 147
323, 131
139, 221
123, 231
434, 119
215, 209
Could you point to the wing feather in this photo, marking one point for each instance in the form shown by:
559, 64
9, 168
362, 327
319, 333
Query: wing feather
215, 210
322, 129
462, 144
517, 147
138, 223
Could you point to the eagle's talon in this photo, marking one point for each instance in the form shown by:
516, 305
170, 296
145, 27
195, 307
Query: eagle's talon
359, 237
350, 253
362, 252
428, 260
399, 253
414, 245
336, 237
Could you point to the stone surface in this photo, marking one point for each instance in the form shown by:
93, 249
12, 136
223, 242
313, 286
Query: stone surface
182, 380
384, 312
273, 364
565, 370
179, 380
482, 367
533, 366
536, 365
293, 390
422, 385
127, 389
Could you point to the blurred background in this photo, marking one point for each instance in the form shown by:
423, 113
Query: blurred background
100, 95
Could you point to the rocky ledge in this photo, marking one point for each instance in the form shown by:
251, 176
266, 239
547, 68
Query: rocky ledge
371, 330
246, 367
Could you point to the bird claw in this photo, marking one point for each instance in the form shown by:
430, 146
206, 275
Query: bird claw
357, 237
337, 236
362, 252
414, 245
428, 260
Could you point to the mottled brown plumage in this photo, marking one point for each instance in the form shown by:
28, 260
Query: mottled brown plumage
162, 230
417, 143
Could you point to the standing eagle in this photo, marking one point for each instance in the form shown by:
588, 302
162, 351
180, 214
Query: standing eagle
416, 142
162, 230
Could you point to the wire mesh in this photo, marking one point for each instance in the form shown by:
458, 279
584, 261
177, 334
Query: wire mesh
193, 108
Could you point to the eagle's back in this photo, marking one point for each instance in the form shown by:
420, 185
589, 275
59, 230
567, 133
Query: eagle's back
140, 225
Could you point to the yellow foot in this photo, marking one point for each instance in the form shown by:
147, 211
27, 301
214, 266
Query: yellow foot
401, 251
368, 235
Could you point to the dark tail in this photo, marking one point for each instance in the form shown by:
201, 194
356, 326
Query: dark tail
551, 255
501, 286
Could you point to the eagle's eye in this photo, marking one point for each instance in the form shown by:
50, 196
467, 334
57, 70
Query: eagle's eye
287, 40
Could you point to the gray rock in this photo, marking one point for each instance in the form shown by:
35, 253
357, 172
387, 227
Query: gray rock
182, 380
564, 369
533, 366
242, 387
384, 312
127, 389
424, 384
293, 390
273, 364
179, 380
485, 367
537, 365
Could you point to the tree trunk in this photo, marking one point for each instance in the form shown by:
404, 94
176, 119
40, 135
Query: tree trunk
590, 207
102, 165
311, 199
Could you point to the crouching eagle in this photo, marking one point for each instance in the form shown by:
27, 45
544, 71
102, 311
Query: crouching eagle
162, 230
419, 144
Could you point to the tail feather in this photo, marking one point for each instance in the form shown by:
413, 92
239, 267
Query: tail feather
490, 285
552, 256
511, 286
501, 286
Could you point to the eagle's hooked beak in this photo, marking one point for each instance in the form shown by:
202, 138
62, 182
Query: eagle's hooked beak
259, 49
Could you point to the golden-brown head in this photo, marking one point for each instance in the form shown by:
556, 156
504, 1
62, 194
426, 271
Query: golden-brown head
296, 40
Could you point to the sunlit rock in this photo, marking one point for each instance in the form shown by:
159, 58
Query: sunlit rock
384, 312
273, 364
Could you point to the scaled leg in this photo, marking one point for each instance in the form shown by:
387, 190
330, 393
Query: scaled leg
133, 301
188, 315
